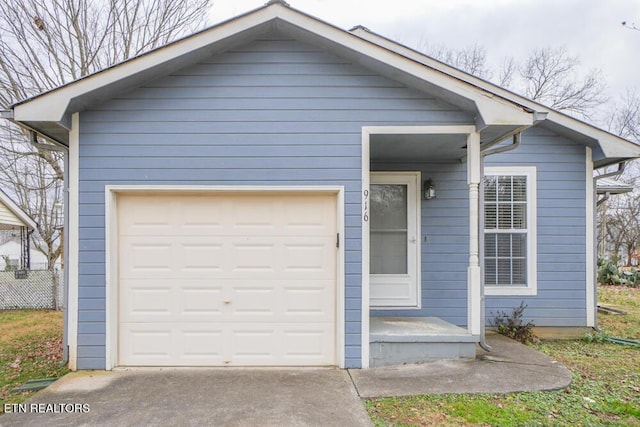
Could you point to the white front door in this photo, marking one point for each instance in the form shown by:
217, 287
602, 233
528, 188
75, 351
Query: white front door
394, 243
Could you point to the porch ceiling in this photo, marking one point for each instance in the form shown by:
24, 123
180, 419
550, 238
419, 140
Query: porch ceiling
418, 147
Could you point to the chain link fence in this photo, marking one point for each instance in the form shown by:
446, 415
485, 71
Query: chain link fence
32, 289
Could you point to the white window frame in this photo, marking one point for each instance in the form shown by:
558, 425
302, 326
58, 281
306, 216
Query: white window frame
532, 283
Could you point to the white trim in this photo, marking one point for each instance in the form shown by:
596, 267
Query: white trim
52, 106
590, 235
73, 239
411, 179
364, 249
495, 105
532, 230
111, 277
340, 279
612, 145
111, 248
474, 278
367, 131
421, 130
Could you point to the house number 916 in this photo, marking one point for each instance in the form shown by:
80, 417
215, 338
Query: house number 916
365, 206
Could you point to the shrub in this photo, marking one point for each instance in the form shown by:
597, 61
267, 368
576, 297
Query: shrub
512, 325
596, 337
610, 274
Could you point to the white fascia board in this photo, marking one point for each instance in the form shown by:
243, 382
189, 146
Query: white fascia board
612, 146
52, 106
493, 110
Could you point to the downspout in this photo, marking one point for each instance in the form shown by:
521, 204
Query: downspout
517, 137
514, 144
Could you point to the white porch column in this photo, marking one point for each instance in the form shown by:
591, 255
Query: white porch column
474, 279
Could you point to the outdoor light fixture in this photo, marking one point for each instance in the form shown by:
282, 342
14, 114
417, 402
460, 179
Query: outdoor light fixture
429, 190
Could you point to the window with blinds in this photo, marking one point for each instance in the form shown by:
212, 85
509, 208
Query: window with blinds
507, 222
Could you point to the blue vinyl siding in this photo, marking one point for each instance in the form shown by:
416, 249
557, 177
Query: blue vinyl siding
273, 112
561, 242
561, 233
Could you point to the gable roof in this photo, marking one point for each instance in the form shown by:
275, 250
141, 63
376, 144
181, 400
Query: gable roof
499, 113
613, 146
12, 216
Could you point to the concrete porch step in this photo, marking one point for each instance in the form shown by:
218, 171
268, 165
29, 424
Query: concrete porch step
402, 340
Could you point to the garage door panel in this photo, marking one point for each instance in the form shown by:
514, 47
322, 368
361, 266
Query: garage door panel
145, 344
309, 260
201, 346
282, 344
145, 215
172, 344
151, 301
164, 300
309, 344
310, 303
146, 255
314, 216
201, 257
242, 279
254, 302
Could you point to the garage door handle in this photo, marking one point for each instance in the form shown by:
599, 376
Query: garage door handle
227, 302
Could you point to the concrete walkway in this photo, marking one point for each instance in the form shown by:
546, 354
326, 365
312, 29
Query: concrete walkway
509, 367
277, 397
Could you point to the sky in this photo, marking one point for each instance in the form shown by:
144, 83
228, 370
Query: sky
589, 29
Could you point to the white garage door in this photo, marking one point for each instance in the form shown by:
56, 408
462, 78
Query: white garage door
227, 279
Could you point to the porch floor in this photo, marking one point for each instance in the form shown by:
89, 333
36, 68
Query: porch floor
402, 340
416, 329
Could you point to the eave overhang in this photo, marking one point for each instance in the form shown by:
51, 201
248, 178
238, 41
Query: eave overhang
498, 112
49, 113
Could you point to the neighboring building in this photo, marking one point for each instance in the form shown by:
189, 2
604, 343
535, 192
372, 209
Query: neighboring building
13, 218
12, 250
605, 188
275, 190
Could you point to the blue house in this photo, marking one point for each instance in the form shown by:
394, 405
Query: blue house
277, 191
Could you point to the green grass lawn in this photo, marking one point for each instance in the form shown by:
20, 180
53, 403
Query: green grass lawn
30, 348
605, 388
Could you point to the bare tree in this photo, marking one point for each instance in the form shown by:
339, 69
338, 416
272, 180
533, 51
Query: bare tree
630, 25
623, 225
551, 76
472, 59
47, 43
548, 75
624, 118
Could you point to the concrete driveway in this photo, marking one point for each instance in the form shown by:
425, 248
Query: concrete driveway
277, 397
199, 397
